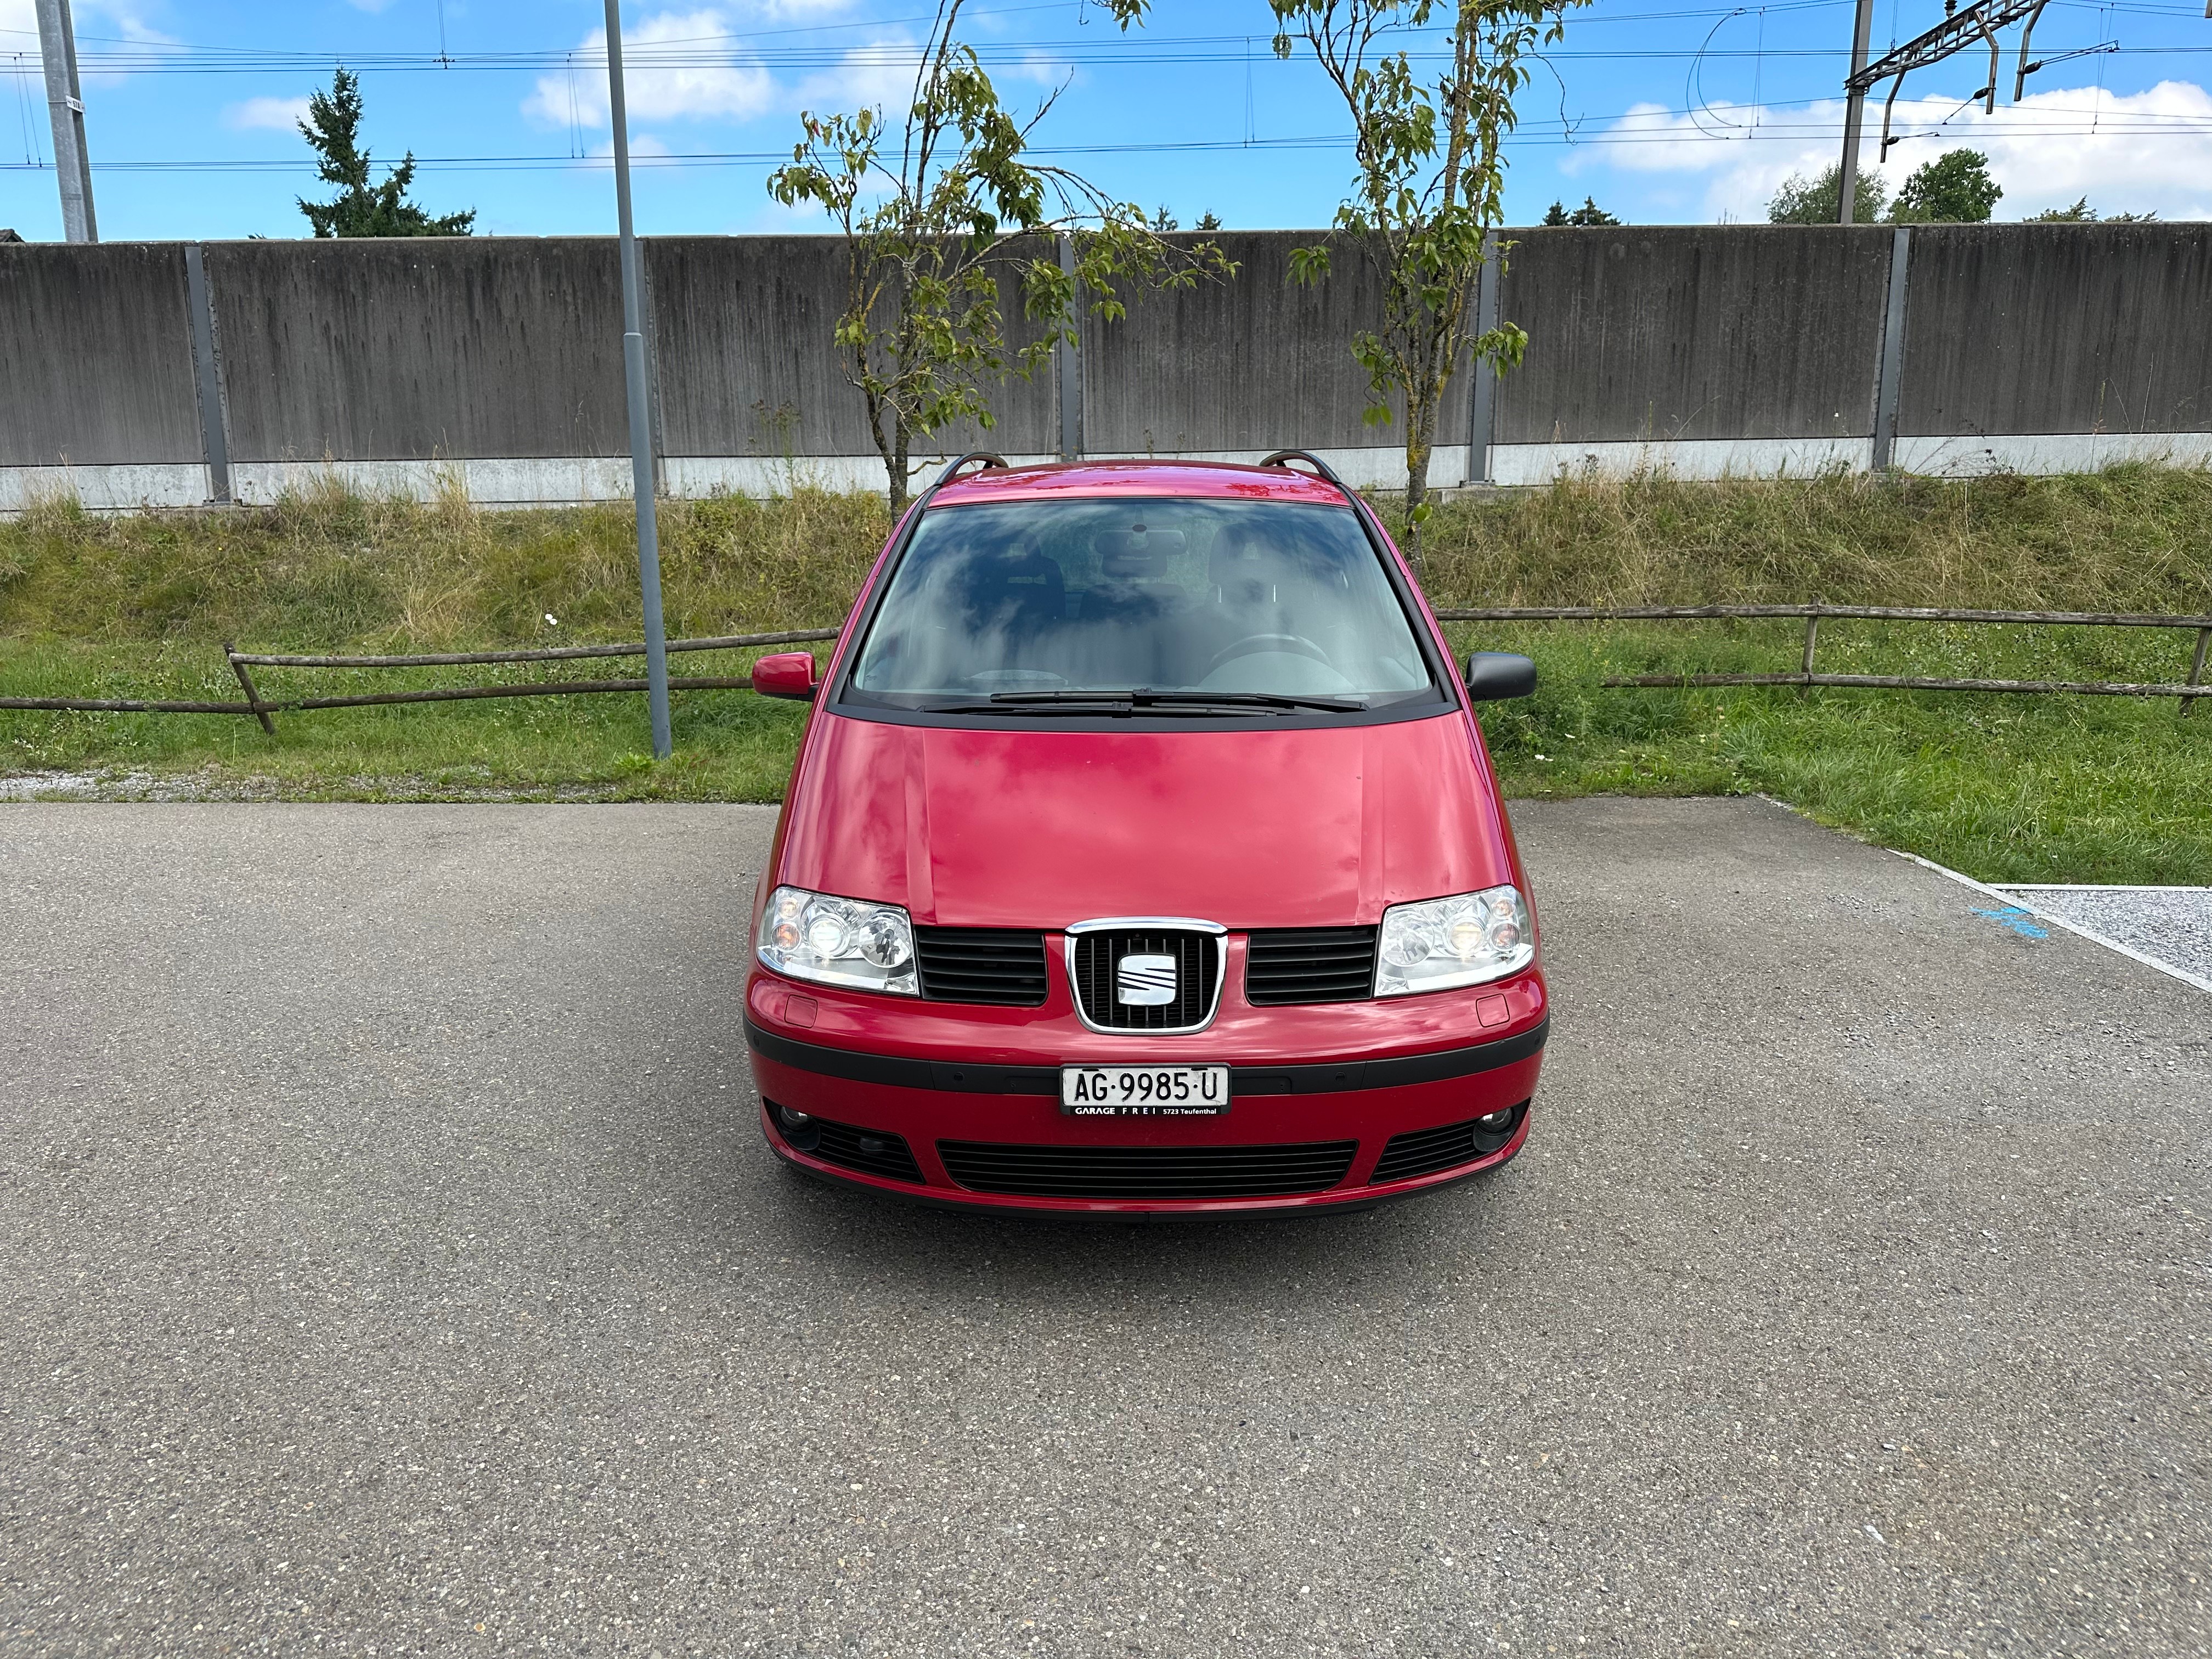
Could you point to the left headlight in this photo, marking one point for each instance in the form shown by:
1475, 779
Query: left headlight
838, 941
1462, 940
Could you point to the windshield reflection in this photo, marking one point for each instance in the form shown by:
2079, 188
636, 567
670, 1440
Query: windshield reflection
1199, 596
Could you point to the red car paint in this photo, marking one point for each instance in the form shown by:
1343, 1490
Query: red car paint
1024, 826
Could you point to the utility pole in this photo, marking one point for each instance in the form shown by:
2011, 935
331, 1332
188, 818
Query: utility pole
72, 163
641, 406
1854, 115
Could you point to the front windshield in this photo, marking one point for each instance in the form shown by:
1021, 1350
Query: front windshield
1018, 599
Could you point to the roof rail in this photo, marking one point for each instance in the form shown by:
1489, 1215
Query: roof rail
1281, 457
952, 468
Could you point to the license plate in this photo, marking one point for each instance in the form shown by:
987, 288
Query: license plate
1144, 1091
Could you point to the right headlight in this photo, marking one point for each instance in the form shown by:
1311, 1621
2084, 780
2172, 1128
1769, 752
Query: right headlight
1462, 940
838, 941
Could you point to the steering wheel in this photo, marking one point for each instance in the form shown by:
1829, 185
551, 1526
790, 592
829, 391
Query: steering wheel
1296, 644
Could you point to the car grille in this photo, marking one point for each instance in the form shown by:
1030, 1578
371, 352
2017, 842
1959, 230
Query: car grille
1001, 965
1125, 1172
871, 1151
1425, 1152
1309, 964
1093, 959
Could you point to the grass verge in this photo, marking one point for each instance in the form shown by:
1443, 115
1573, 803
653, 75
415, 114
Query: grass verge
2019, 788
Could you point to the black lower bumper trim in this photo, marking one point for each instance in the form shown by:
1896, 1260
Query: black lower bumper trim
901, 1072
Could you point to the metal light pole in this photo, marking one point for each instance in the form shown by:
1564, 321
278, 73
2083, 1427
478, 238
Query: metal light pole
1854, 115
72, 163
640, 408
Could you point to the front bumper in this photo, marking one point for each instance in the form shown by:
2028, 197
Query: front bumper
960, 1105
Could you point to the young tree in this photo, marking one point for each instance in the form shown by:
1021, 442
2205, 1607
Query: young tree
928, 208
332, 130
1953, 189
1803, 201
1428, 189
1589, 213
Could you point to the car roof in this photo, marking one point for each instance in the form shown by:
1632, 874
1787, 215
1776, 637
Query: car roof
1060, 481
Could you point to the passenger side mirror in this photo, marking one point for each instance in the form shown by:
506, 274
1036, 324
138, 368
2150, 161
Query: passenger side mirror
787, 674
1492, 675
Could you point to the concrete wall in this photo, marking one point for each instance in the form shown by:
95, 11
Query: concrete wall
2059, 328
416, 349
1256, 363
497, 361
95, 356
1635, 334
747, 368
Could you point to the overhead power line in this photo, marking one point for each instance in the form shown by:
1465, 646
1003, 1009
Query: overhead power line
1975, 24
2067, 122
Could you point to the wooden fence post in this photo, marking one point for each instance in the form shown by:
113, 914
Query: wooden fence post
260, 712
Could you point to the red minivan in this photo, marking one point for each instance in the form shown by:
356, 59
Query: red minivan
1143, 854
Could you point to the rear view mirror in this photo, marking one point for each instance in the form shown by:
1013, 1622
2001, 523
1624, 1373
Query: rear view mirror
1492, 675
787, 674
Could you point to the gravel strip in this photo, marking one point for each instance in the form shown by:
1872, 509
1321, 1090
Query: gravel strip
2172, 924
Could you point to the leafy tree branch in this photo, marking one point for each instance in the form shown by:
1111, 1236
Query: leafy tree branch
935, 211
1428, 190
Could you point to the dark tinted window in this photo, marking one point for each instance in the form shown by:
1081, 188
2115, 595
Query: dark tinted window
1164, 594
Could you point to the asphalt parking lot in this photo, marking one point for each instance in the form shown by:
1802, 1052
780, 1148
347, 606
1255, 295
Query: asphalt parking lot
392, 1265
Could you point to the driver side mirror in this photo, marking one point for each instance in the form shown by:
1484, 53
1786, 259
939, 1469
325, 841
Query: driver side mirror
1493, 675
787, 674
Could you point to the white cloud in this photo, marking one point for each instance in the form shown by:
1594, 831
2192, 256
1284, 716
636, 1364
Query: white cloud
676, 66
1038, 66
876, 75
2133, 152
266, 114
19, 32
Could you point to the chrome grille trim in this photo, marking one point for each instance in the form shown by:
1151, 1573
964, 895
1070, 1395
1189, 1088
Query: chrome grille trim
1181, 936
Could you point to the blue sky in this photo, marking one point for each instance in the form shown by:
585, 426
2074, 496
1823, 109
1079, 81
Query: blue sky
1663, 111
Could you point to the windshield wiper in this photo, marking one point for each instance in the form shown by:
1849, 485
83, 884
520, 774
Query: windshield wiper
1145, 697
1080, 703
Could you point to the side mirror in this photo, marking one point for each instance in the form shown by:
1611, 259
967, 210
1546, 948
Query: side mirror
787, 674
1492, 675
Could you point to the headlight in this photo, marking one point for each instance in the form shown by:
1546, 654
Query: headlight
838, 941
1466, 940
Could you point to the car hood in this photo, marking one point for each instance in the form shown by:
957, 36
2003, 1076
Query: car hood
1014, 827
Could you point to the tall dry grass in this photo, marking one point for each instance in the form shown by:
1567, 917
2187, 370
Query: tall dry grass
2133, 538
326, 567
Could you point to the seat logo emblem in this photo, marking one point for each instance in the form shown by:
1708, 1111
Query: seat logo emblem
1146, 982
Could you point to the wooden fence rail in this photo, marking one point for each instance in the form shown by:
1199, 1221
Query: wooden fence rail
1812, 613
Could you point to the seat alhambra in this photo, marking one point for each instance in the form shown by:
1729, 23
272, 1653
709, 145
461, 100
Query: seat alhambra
1143, 854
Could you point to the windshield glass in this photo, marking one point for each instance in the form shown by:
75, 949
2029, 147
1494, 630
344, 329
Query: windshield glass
1250, 599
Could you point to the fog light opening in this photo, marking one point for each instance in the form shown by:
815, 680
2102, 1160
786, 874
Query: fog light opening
801, 1132
1493, 1131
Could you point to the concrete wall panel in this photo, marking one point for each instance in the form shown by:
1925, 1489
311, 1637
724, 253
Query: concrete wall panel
1258, 363
420, 349
95, 356
1692, 332
2057, 328
748, 366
